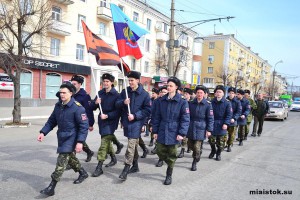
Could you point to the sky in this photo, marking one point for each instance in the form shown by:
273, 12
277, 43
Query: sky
270, 27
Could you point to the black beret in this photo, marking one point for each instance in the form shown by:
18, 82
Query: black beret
163, 88
134, 74
175, 80
219, 87
231, 89
77, 78
155, 90
201, 87
240, 91
108, 76
69, 86
247, 91
188, 90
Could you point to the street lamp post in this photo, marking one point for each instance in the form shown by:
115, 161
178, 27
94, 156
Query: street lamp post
273, 85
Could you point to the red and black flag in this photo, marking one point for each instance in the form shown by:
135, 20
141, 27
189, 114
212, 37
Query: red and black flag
104, 54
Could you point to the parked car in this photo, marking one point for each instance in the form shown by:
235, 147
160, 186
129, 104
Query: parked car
295, 106
277, 110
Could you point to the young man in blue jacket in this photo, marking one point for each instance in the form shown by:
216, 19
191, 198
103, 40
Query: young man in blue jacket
242, 120
72, 122
108, 121
170, 125
139, 103
201, 124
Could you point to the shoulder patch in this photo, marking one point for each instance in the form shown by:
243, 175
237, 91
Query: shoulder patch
227, 100
208, 101
77, 103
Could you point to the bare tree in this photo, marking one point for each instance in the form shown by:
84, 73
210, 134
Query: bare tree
224, 75
21, 23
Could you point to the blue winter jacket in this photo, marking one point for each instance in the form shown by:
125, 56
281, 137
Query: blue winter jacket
246, 108
108, 100
236, 110
72, 123
222, 115
202, 119
139, 107
172, 118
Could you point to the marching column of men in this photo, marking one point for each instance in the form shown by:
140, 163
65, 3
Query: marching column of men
171, 118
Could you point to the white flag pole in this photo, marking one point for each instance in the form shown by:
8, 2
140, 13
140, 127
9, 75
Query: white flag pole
124, 83
93, 76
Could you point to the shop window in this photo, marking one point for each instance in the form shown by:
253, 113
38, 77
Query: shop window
53, 82
26, 84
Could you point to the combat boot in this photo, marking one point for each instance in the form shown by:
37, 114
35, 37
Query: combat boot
168, 180
218, 156
135, 167
98, 171
188, 150
124, 173
145, 151
181, 154
112, 162
49, 191
119, 147
159, 163
82, 175
154, 150
194, 165
253, 134
241, 142
228, 148
151, 142
89, 155
213, 151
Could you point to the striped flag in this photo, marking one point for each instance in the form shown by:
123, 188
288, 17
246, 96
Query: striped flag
104, 53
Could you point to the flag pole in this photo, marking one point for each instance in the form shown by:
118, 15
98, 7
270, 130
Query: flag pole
93, 76
124, 83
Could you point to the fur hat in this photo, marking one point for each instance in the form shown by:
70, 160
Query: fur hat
219, 87
108, 76
240, 91
175, 80
134, 74
247, 91
164, 87
201, 87
155, 90
69, 86
77, 78
231, 89
188, 90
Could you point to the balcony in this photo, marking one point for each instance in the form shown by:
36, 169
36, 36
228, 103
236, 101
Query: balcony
104, 13
65, 2
60, 28
162, 36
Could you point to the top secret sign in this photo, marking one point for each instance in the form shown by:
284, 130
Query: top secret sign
40, 63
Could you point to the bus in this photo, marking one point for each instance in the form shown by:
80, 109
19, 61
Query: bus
286, 97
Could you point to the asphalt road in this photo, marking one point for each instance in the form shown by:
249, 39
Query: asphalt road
270, 162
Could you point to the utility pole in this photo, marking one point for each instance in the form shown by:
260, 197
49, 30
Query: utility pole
171, 41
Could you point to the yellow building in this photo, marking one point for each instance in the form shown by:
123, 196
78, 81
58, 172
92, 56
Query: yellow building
226, 61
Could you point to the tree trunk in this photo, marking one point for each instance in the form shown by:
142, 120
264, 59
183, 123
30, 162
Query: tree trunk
17, 98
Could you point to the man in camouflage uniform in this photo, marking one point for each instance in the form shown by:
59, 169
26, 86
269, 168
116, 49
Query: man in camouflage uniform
250, 116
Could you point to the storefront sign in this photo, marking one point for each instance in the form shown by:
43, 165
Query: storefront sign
6, 82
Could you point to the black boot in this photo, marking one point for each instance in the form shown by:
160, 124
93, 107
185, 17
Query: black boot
119, 147
181, 154
228, 148
194, 165
218, 156
159, 163
135, 167
98, 171
213, 151
151, 142
124, 173
82, 175
253, 134
168, 180
112, 162
188, 150
154, 150
49, 191
241, 142
145, 151
89, 155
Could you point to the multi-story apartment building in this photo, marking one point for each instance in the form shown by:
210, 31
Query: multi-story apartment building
65, 53
228, 62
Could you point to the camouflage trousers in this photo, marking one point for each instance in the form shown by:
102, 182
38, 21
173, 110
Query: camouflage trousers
241, 132
131, 151
231, 134
184, 142
247, 128
85, 147
196, 147
167, 153
218, 140
63, 160
105, 147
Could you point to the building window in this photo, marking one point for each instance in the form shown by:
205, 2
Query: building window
165, 28
133, 63
147, 47
53, 82
25, 6
26, 84
212, 45
146, 67
28, 43
56, 13
141, 41
79, 25
79, 52
102, 28
183, 40
208, 80
103, 3
149, 24
210, 70
211, 59
54, 48
135, 16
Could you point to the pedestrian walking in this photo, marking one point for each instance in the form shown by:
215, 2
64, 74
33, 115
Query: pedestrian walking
259, 114
242, 120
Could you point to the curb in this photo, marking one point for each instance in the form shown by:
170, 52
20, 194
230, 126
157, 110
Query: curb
28, 117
